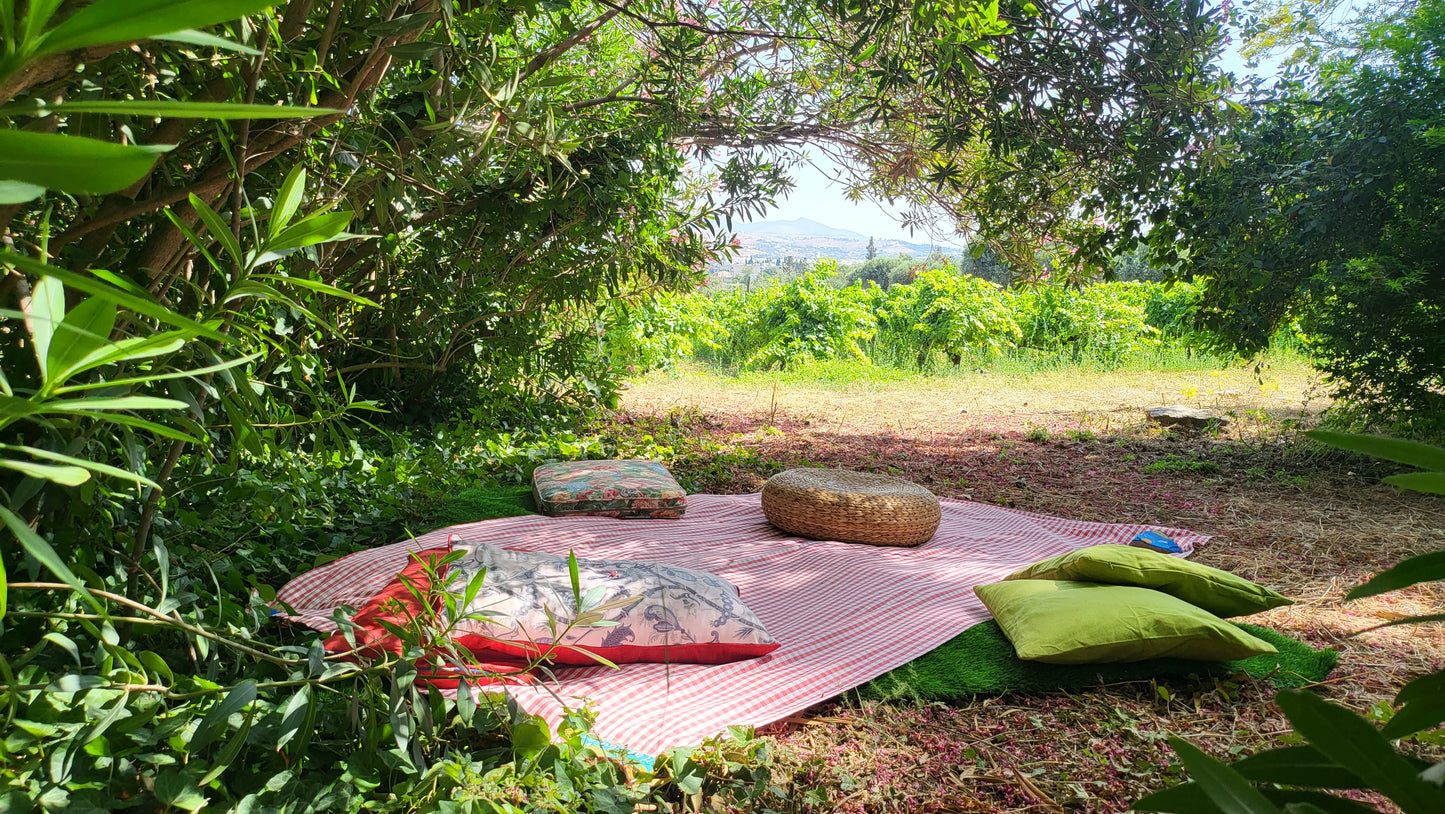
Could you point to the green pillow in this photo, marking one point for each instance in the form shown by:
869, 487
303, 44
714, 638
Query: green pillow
1219, 592
1088, 623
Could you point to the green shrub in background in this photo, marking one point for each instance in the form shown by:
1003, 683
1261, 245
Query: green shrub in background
779, 326
1107, 322
883, 272
939, 315
670, 327
942, 312
810, 319
1327, 211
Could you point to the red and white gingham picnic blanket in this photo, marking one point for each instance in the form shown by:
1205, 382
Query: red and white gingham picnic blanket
844, 613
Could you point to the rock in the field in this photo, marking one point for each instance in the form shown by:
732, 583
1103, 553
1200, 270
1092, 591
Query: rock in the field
1177, 415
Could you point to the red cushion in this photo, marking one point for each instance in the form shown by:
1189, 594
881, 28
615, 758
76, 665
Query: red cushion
498, 660
398, 604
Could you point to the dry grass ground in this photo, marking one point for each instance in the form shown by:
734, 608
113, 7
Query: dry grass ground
1308, 523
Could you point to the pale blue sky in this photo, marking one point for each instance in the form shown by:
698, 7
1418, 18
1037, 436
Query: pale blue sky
818, 198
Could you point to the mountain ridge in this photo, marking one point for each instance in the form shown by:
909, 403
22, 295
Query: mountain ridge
808, 239
798, 227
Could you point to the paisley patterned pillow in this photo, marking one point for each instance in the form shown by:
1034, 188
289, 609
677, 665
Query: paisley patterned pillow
626, 489
629, 611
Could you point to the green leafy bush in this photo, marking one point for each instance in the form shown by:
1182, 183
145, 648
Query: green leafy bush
782, 325
912, 324
1107, 322
1323, 208
943, 312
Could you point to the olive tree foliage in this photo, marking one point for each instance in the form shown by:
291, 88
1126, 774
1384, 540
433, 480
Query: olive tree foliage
433, 206
1329, 215
511, 165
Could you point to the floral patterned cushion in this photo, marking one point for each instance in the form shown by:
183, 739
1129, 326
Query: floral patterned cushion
630, 611
627, 488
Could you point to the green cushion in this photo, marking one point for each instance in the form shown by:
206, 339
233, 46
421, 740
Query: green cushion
1219, 592
1062, 622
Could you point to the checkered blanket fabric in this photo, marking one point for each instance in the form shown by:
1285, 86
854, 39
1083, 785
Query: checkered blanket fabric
844, 613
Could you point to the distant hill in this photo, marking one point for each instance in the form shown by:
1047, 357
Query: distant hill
806, 239
800, 227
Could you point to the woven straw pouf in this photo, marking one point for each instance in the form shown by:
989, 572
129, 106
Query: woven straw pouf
851, 507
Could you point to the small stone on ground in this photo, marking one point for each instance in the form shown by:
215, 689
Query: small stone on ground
1177, 415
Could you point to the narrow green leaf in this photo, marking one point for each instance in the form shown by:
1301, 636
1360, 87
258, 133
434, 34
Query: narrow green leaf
186, 110
201, 38
106, 21
1405, 620
37, 16
127, 420
466, 703
13, 407
163, 563
1426, 686
1411, 453
236, 700
288, 200
1223, 786
576, 583
228, 755
127, 350
252, 287
1429, 482
38, 548
65, 643
94, 466
1302, 765
1351, 741
18, 192
75, 683
405, 24
119, 282
160, 377
83, 331
293, 716
63, 475
1422, 710
1422, 568
117, 403
319, 287
474, 587
4, 589
73, 164
43, 315
415, 51
156, 665
310, 230
126, 299
220, 232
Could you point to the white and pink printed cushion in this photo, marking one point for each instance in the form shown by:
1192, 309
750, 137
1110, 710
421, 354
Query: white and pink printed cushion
651, 611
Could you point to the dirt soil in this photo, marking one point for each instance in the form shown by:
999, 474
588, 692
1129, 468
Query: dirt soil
1307, 522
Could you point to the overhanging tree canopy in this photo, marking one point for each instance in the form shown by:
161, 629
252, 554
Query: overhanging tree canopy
513, 167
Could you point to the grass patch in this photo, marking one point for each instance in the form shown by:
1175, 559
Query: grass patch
485, 503
1171, 463
827, 372
982, 660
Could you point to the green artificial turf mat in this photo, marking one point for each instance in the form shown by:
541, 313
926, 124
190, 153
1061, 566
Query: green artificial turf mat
486, 503
982, 661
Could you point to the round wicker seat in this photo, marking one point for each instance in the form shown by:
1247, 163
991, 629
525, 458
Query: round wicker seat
851, 507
